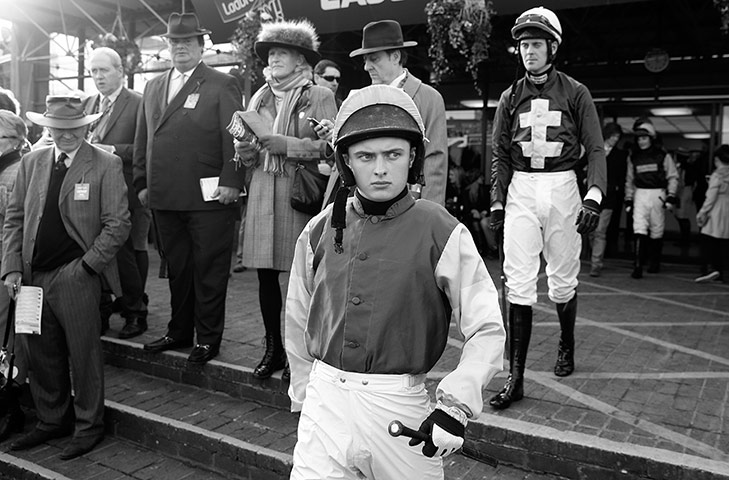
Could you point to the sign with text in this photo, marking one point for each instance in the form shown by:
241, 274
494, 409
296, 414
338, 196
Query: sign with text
328, 16
232, 10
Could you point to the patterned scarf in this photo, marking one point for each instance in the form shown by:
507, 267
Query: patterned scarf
287, 93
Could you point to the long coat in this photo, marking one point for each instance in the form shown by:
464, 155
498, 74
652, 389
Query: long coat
716, 205
99, 225
432, 108
119, 132
178, 144
272, 226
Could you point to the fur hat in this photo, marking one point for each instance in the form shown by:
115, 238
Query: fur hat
298, 35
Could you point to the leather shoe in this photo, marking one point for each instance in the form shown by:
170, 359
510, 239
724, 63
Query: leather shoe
37, 436
203, 352
80, 445
165, 343
11, 423
133, 327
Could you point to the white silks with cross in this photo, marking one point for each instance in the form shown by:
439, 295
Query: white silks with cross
538, 118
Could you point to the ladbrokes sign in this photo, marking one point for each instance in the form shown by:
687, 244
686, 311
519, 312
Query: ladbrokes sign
231, 10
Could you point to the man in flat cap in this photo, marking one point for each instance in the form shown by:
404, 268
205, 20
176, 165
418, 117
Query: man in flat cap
181, 139
78, 192
384, 54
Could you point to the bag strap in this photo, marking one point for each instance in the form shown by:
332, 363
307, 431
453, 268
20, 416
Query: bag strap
10, 323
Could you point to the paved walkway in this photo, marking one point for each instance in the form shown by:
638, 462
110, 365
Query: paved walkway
652, 360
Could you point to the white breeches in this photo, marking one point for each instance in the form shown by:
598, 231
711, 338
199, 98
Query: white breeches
540, 215
648, 212
343, 433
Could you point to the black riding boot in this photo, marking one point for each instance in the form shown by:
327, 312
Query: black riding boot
13, 418
684, 225
567, 313
269, 297
520, 331
274, 359
656, 250
639, 249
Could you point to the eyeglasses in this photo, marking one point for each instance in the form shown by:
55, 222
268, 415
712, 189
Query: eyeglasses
330, 78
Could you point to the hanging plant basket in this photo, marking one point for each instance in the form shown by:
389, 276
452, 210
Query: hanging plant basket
244, 38
458, 27
128, 50
723, 7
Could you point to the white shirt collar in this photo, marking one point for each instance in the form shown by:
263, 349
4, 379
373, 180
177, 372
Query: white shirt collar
176, 73
114, 95
69, 159
398, 79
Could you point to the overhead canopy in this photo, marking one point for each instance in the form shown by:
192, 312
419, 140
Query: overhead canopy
148, 17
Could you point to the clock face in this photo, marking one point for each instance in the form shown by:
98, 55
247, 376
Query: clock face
656, 60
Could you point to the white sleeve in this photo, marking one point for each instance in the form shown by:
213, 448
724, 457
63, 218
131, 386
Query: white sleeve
671, 174
462, 275
298, 300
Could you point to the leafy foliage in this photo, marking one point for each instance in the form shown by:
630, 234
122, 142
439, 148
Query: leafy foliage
127, 49
458, 27
723, 7
244, 38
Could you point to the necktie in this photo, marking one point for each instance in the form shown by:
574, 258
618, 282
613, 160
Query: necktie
175, 87
60, 165
100, 127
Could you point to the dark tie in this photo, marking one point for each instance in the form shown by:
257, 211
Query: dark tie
60, 166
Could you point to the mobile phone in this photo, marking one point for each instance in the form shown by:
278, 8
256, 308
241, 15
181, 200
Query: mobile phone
313, 122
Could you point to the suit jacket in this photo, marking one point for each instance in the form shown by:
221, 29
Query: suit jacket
119, 132
177, 145
100, 225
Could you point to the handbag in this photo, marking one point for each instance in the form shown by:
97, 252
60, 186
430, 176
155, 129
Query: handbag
307, 191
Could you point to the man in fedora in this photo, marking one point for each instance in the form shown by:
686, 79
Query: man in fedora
181, 139
78, 193
384, 53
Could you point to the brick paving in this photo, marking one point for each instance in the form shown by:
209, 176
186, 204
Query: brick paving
652, 363
652, 374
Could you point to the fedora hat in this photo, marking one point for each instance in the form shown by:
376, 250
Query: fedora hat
299, 35
63, 111
382, 35
184, 25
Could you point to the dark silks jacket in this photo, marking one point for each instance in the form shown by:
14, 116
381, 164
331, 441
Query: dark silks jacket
544, 130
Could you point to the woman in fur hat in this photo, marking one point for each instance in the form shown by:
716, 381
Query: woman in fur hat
285, 102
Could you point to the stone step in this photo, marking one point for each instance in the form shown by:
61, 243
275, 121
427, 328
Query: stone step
238, 437
115, 458
527, 446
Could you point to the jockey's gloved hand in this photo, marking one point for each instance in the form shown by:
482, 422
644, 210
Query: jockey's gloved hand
445, 427
588, 217
496, 219
673, 202
628, 205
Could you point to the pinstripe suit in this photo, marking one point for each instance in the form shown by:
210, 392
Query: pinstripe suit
70, 323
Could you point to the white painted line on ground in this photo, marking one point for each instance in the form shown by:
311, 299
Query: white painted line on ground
650, 376
657, 294
659, 299
437, 375
641, 337
647, 324
613, 412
